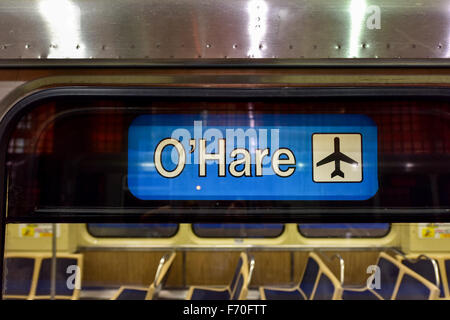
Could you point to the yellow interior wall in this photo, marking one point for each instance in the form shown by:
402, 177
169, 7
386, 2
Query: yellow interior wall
75, 236
185, 238
15, 242
415, 244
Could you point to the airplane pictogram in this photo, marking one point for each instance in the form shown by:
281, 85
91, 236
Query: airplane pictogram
337, 157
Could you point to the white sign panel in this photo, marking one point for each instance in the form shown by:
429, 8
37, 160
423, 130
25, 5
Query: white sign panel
434, 230
41, 230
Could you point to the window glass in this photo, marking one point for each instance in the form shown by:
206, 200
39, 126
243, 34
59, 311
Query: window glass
132, 230
236, 230
69, 157
344, 230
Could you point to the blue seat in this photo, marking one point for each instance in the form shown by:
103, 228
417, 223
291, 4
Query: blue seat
359, 294
317, 283
396, 282
131, 294
150, 292
19, 274
236, 290
447, 273
28, 276
327, 287
66, 266
283, 294
44, 278
431, 266
411, 288
210, 294
425, 268
389, 272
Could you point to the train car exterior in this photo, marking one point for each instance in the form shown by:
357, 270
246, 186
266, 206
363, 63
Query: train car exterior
226, 150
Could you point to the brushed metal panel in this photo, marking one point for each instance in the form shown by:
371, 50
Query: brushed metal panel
217, 29
8, 86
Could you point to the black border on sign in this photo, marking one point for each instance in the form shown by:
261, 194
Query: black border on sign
362, 160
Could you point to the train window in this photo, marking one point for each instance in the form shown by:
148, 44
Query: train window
109, 167
235, 230
344, 230
132, 230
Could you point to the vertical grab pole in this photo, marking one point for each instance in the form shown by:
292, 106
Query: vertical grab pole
53, 268
3, 209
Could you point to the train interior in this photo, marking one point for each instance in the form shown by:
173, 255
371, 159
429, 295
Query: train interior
228, 261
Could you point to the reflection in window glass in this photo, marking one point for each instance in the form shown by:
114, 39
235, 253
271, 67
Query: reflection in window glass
236, 230
344, 230
132, 230
52, 164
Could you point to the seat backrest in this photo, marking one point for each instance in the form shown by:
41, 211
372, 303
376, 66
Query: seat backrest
68, 277
426, 269
327, 286
309, 276
446, 278
162, 272
411, 287
397, 281
20, 276
389, 271
239, 283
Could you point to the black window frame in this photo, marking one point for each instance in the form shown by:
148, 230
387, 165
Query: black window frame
92, 234
283, 229
284, 215
388, 231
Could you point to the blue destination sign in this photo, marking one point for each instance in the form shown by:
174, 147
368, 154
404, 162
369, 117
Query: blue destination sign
258, 157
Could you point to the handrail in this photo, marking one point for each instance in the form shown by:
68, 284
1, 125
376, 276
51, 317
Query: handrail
422, 257
341, 263
161, 264
250, 269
